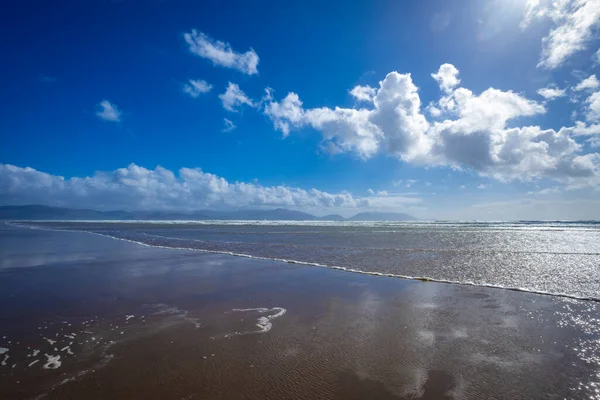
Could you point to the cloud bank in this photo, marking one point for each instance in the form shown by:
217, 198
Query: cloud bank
138, 188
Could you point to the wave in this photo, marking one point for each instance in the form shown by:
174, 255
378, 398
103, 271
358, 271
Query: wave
500, 225
335, 267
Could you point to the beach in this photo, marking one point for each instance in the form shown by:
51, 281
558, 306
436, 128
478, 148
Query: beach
88, 316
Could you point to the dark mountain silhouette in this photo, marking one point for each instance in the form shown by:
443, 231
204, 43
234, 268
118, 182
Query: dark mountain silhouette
38, 212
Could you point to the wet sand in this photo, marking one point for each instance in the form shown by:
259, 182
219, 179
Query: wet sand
148, 323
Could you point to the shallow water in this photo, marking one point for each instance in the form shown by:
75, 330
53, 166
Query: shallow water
546, 257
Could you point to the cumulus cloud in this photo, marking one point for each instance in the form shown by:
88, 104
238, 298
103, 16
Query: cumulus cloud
196, 87
589, 83
593, 107
234, 97
551, 92
286, 113
138, 188
477, 131
221, 53
573, 21
447, 77
108, 111
229, 125
363, 93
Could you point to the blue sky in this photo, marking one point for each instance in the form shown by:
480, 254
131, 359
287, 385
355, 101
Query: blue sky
443, 109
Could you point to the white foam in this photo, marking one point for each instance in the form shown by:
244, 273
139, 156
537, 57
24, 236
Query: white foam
263, 323
3, 350
33, 362
70, 336
128, 317
3, 363
35, 353
52, 362
50, 341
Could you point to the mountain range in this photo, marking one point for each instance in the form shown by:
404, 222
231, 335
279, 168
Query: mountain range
39, 212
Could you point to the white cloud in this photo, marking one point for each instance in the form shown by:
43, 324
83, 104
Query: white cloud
288, 112
370, 191
382, 193
108, 111
474, 135
138, 188
593, 110
462, 187
196, 87
482, 186
589, 83
433, 110
447, 77
574, 22
552, 190
363, 93
221, 53
594, 141
234, 97
596, 58
229, 125
550, 92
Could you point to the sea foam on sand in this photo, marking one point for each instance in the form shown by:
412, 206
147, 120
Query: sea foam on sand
52, 362
264, 322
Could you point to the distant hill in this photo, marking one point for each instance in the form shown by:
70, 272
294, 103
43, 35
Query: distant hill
332, 217
38, 212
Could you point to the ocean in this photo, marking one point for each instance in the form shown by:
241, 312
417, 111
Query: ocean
554, 257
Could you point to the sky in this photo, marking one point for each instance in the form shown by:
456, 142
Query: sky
444, 109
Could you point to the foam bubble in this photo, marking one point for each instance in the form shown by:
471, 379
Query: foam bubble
263, 323
50, 341
3, 350
52, 362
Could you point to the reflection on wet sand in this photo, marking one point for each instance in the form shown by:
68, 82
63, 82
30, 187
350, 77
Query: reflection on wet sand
438, 386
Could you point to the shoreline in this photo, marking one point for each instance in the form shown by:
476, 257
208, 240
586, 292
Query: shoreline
310, 264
